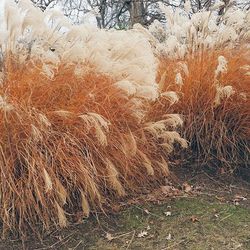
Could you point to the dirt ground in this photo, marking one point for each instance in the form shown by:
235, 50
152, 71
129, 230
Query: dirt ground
206, 212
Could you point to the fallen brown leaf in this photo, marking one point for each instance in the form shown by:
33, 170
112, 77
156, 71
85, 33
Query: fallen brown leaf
166, 189
168, 213
169, 237
222, 171
142, 234
109, 237
187, 188
194, 218
116, 208
222, 199
239, 198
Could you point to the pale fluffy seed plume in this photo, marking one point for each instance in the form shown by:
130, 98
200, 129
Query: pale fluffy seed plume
62, 220
178, 79
171, 96
47, 181
223, 92
222, 66
85, 205
112, 176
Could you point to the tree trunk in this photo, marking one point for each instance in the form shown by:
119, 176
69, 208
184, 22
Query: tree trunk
136, 12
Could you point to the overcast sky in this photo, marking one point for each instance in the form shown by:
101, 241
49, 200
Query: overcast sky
1, 7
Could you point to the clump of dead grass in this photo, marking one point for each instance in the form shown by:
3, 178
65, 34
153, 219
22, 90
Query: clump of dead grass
73, 143
74, 127
213, 87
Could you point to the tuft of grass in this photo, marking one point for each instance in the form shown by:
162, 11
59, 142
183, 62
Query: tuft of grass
74, 130
214, 102
72, 144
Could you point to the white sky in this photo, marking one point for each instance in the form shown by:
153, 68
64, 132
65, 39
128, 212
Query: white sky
88, 18
1, 7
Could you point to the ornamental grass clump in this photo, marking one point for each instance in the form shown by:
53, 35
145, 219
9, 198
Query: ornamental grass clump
204, 62
186, 33
73, 144
214, 88
75, 134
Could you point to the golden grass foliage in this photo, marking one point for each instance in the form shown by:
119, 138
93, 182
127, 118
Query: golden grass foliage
214, 89
74, 127
73, 144
83, 121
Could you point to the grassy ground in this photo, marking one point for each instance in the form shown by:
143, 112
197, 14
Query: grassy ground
210, 220
193, 224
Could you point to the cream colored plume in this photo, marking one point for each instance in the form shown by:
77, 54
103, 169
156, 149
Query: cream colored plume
112, 176
222, 66
171, 96
47, 181
99, 123
4, 105
186, 32
85, 204
62, 220
128, 87
126, 56
160, 130
223, 92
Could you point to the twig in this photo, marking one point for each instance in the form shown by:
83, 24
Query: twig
214, 180
148, 211
56, 243
77, 244
131, 240
226, 217
173, 245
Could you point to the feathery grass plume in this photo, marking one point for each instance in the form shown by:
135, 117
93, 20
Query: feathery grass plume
53, 39
61, 216
185, 34
74, 122
214, 101
203, 62
85, 205
64, 150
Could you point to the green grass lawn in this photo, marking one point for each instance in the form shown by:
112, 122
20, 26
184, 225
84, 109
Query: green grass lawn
193, 223
181, 223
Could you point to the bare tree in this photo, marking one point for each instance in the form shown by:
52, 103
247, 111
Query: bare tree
125, 13
44, 4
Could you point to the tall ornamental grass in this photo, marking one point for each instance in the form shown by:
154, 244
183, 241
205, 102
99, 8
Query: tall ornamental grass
75, 133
